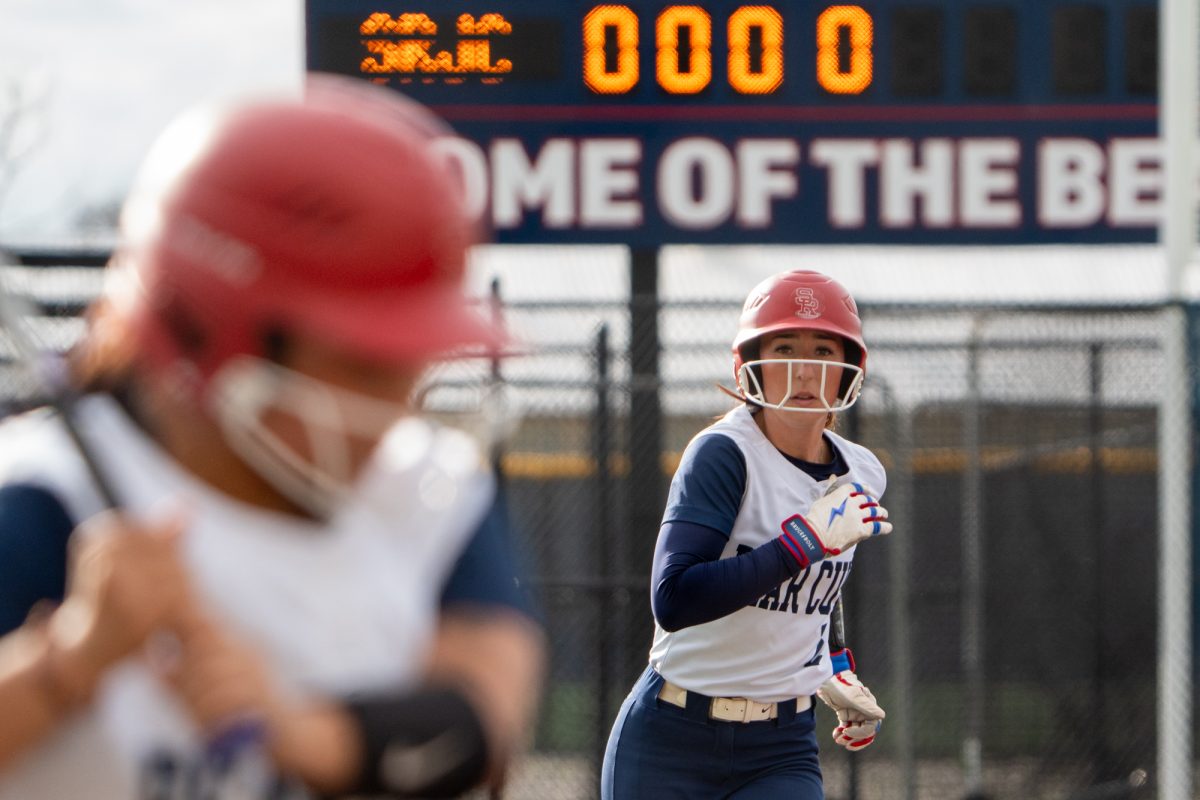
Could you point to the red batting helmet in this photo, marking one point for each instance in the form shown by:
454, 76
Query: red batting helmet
326, 214
795, 300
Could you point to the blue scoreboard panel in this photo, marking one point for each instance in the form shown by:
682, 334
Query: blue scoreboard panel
885, 122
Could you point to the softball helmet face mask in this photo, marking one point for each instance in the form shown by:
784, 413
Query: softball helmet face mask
791, 301
328, 216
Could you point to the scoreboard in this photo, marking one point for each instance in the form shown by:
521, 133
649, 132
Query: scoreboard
885, 122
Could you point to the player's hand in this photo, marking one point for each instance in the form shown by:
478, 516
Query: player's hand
859, 716
126, 580
223, 682
846, 515
232, 695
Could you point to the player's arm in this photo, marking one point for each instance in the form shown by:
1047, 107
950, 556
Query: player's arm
34, 528
482, 684
456, 731
125, 581
494, 656
691, 583
489, 642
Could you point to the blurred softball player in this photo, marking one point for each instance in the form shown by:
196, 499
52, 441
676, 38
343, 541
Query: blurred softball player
756, 543
331, 605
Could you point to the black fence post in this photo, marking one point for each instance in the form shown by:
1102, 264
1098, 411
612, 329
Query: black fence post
850, 609
602, 456
646, 493
496, 378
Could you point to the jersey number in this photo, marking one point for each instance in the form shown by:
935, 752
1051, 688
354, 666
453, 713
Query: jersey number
816, 658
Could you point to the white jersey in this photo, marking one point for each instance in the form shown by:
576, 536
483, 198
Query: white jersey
345, 606
777, 648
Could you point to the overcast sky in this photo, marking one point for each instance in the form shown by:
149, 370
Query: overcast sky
110, 74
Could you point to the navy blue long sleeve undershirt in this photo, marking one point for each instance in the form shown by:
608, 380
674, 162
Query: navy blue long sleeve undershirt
34, 529
691, 583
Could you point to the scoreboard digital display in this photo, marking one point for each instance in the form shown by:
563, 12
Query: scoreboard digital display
890, 122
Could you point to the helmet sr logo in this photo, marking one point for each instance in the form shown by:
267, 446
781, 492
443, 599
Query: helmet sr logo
807, 304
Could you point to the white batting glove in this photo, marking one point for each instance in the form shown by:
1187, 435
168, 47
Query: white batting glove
846, 515
859, 716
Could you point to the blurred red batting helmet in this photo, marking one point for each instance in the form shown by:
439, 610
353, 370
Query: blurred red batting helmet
326, 214
795, 300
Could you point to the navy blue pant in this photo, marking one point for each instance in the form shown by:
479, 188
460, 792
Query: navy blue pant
659, 751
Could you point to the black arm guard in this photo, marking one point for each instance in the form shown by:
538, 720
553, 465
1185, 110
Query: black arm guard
426, 743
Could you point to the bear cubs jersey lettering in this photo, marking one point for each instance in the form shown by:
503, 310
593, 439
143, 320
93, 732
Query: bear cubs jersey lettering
777, 648
337, 607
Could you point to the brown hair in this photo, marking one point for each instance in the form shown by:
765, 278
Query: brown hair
102, 360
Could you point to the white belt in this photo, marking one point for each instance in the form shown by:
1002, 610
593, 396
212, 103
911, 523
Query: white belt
730, 709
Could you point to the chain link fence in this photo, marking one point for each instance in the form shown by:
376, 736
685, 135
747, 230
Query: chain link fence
1008, 626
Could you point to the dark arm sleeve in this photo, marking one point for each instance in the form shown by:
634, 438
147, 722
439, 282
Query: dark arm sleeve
34, 529
691, 583
488, 572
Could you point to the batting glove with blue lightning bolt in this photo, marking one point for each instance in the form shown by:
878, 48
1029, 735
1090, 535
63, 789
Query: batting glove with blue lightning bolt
846, 515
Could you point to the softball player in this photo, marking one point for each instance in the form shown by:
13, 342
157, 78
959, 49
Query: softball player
331, 606
756, 543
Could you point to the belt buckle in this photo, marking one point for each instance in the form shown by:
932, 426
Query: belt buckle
736, 709
722, 708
